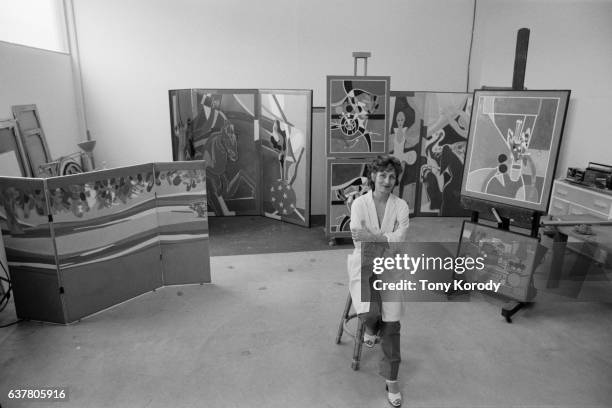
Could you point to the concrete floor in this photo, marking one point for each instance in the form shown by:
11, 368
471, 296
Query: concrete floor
262, 335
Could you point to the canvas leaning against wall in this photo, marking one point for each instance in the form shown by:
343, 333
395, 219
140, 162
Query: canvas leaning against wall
219, 126
513, 146
285, 123
357, 115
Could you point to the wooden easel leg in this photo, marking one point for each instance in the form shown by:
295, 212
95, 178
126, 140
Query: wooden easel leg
345, 313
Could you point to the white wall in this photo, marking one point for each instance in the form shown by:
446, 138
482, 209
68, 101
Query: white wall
570, 47
133, 52
44, 78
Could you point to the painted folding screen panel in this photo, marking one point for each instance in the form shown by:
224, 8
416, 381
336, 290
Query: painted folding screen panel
24, 218
219, 126
347, 179
513, 146
446, 121
357, 116
285, 124
105, 226
407, 123
180, 193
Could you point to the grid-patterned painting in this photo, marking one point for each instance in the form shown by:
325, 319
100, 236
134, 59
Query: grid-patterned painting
446, 120
357, 115
346, 180
285, 136
513, 146
219, 126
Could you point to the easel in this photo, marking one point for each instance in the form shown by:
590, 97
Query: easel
357, 55
503, 214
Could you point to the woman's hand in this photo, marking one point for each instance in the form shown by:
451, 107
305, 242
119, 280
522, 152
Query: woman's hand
365, 235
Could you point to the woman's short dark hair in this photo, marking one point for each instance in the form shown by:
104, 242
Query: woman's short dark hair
382, 163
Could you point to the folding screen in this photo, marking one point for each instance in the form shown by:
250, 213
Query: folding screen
357, 115
513, 147
285, 135
79, 244
219, 127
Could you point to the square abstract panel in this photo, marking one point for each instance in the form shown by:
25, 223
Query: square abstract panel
446, 120
285, 135
508, 259
513, 146
219, 126
346, 180
357, 115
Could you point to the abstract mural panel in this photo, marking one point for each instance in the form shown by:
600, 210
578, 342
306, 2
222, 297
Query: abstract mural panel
406, 113
285, 125
219, 126
357, 115
513, 146
347, 179
446, 120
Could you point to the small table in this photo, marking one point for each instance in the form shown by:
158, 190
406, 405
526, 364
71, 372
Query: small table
595, 247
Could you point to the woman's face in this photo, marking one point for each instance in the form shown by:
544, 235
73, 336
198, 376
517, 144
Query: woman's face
384, 181
400, 119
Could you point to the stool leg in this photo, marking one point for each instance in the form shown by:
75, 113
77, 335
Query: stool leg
358, 344
347, 308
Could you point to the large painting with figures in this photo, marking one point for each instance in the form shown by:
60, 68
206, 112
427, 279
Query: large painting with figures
219, 126
347, 179
513, 146
446, 121
285, 137
357, 115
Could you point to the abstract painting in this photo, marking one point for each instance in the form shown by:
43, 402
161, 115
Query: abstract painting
446, 120
509, 259
346, 180
513, 146
406, 113
357, 115
285, 135
219, 126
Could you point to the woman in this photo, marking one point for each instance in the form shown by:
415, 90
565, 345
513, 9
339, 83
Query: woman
379, 216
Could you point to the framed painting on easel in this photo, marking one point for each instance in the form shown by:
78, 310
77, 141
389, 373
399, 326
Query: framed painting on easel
513, 146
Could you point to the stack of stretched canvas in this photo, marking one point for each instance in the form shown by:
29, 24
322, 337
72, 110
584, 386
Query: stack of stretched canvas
256, 145
82, 243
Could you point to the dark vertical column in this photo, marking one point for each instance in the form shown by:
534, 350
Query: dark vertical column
520, 59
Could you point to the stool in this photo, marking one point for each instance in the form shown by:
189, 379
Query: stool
357, 336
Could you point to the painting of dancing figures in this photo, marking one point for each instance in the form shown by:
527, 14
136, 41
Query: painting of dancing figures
513, 146
285, 134
357, 112
218, 126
